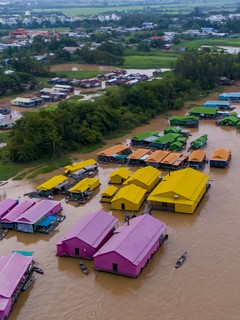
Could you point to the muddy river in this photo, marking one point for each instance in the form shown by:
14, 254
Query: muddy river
205, 287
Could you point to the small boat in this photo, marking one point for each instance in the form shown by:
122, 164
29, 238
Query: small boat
38, 270
83, 268
3, 233
28, 283
181, 260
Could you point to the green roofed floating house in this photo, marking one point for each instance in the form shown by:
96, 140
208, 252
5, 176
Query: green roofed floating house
231, 120
185, 121
198, 143
183, 132
165, 141
144, 138
204, 112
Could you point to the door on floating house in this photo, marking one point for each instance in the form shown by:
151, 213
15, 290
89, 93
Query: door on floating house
123, 206
115, 267
76, 251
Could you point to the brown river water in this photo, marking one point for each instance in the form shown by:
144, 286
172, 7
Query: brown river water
205, 287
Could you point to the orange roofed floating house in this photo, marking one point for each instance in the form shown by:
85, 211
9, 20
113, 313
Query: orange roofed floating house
220, 158
115, 154
197, 159
156, 157
174, 161
138, 157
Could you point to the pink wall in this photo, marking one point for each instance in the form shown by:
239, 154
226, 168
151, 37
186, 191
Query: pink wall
105, 262
55, 210
4, 313
67, 247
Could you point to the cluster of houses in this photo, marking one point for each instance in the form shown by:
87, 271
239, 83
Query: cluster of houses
29, 216
8, 118
82, 83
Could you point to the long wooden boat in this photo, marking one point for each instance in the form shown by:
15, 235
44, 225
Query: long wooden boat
3, 233
28, 283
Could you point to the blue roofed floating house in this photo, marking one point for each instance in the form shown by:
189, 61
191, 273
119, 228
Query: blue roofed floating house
230, 96
220, 104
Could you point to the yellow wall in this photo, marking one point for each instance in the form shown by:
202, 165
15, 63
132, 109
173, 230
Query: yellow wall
130, 206
148, 187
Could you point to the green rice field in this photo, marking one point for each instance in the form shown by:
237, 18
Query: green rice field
79, 74
149, 62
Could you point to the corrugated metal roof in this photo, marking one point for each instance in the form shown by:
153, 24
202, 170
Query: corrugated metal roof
109, 191
133, 241
184, 183
121, 172
18, 210
145, 175
157, 156
139, 153
113, 150
197, 155
144, 135
6, 205
92, 228
221, 154
171, 158
79, 165
12, 269
52, 183
131, 193
85, 184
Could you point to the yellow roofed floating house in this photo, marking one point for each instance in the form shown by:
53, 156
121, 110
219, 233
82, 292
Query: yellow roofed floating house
146, 178
88, 165
82, 190
129, 198
180, 191
220, 158
55, 185
119, 176
108, 194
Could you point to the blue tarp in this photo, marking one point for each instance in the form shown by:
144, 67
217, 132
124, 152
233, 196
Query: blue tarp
46, 221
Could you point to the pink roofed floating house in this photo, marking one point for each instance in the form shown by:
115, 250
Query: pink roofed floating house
88, 235
8, 220
14, 270
131, 246
27, 221
6, 205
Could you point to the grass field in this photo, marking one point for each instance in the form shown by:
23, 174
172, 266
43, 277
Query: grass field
78, 74
213, 42
149, 62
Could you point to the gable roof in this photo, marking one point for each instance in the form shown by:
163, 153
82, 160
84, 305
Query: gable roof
139, 153
221, 154
52, 183
12, 269
184, 183
109, 191
133, 241
171, 158
6, 205
197, 155
79, 165
121, 172
118, 149
92, 228
157, 156
145, 175
83, 185
17, 211
144, 135
131, 193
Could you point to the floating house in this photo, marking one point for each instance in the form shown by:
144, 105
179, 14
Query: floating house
88, 165
6, 205
8, 220
220, 158
119, 176
179, 130
29, 220
143, 139
115, 154
156, 157
55, 185
108, 194
197, 159
129, 198
88, 235
138, 157
185, 121
165, 141
146, 178
231, 120
131, 246
199, 142
230, 96
177, 145
180, 191
14, 270
204, 112
87, 184
174, 161
220, 104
